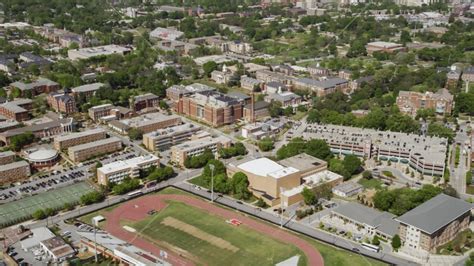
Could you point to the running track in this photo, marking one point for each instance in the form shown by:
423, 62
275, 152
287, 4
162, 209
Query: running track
136, 210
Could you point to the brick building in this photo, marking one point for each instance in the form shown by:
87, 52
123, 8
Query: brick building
41, 85
144, 101
14, 172
89, 150
180, 152
78, 138
62, 102
7, 157
409, 102
17, 110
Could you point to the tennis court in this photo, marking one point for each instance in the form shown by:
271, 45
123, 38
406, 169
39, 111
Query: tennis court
21, 210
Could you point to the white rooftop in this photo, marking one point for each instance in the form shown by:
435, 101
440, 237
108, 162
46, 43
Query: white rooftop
266, 167
39, 234
130, 163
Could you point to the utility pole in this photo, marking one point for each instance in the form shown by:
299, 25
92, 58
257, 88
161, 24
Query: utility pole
212, 167
281, 208
95, 241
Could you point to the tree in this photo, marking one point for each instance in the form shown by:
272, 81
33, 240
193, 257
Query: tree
208, 67
92, 197
199, 161
323, 191
239, 184
275, 110
468, 178
367, 174
39, 214
68, 206
135, 134
396, 242
375, 240
266, 144
288, 111
309, 196
405, 37
352, 163
126, 186
161, 174
19, 141
436, 129
338, 167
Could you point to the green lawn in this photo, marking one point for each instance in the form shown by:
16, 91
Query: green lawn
370, 183
470, 190
253, 248
457, 155
388, 174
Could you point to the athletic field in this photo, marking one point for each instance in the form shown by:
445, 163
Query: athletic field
21, 210
209, 240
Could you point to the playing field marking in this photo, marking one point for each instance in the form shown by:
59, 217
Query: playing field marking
196, 232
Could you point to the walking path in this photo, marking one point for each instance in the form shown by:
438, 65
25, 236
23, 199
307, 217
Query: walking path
136, 210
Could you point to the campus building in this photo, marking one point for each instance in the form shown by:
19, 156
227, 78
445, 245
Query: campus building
88, 90
57, 249
213, 107
89, 150
164, 138
409, 102
148, 100
176, 93
78, 138
17, 109
146, 123
196, 147
386, 47
41, 85
43, 130
13, 172
117, 171
374, 222
283, 181
89, 52
434, 223
424, 154
62, 102
99, 111
7, 157
321, 87
42, 157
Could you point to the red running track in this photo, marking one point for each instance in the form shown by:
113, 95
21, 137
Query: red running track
137, 209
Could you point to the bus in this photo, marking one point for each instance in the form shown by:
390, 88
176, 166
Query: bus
371, 247
135, 193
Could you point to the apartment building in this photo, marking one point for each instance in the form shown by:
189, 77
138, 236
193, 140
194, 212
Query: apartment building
89, 150
237, 47
14, 172
434, 223
74, 139
18, 109
7, 157
117, 171
386, 47
409, 102
213, 107
180, 152
318, 71
424, 154
41, 85
62, 102
321, 87
249, 83
148, 100
146, 123
164, 138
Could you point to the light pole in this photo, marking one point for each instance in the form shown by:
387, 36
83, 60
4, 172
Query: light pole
281, 207
212, 167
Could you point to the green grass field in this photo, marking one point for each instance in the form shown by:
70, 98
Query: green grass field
21, 210
253, 248
371, 183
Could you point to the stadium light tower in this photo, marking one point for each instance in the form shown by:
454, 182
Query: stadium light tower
212, 167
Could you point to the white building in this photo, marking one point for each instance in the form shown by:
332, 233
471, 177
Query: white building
117, 171
89, 52
166, 33
57, 249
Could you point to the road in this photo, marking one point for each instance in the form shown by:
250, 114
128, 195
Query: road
458, 173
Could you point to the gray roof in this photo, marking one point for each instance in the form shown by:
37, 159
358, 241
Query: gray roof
238, 95
325, 84
258, 105
435, 213
362, 214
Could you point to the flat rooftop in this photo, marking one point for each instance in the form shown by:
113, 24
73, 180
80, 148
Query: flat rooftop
88, 87
202, 142
266, 167
127, 164
170, 131
302, 162
80, 134
431, 148
94, 144
14, 165
147, 119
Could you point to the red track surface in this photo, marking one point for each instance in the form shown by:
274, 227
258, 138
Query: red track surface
137, 209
